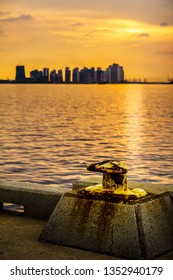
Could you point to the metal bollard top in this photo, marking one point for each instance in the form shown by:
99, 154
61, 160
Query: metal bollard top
108, 166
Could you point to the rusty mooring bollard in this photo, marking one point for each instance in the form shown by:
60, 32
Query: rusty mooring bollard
114, 174
114, 179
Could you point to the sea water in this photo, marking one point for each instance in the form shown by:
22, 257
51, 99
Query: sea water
49, 132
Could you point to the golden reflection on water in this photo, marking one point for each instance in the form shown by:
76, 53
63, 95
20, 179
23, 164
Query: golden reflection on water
134, 123
50, 132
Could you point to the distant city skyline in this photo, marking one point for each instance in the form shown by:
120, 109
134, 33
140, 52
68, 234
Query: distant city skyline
114, 73
137, 34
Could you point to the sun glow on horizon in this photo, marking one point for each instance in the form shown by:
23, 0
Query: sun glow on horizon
57, 38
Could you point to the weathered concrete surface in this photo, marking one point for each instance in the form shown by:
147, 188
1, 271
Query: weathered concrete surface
141, 230
88, 224
156, 225
19, 241
86, 182
38, 200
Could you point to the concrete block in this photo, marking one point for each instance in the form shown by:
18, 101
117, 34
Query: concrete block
138, 230
93, 225
36, 205
38, 200
89, 181
155, 218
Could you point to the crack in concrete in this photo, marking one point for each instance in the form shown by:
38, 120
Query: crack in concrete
140, 229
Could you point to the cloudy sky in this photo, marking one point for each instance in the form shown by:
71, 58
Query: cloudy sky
136, 34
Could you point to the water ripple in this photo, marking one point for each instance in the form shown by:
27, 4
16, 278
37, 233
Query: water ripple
49, 133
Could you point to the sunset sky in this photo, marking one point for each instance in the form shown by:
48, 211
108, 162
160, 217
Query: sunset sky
136, 34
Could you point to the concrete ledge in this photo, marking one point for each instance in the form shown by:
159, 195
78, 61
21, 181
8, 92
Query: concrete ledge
38, 200
149, 187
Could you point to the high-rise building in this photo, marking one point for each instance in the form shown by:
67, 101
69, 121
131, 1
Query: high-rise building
120, 74
20, 73
114, 74
104, 80
46, 74
37, 76
82, 75
92, 79
67, 75
99, 75
53, 76
76, 75
60, 76
87, 76
108, 74
34, 74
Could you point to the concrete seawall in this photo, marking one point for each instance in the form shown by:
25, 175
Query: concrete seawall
38, 200
153, 219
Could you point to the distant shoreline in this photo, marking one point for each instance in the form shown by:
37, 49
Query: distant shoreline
71, 83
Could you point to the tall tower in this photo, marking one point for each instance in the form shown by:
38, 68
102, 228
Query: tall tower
67, 75
20, 73
76, 75
114, 73
60, 76
46, 74
120, 74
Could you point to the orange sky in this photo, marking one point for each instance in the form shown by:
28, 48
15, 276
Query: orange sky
136, 34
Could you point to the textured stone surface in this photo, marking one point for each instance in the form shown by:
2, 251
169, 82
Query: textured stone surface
94, 225
140, 230
19, 241
156, 222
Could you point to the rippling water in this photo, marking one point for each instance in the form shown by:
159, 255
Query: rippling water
50, 132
